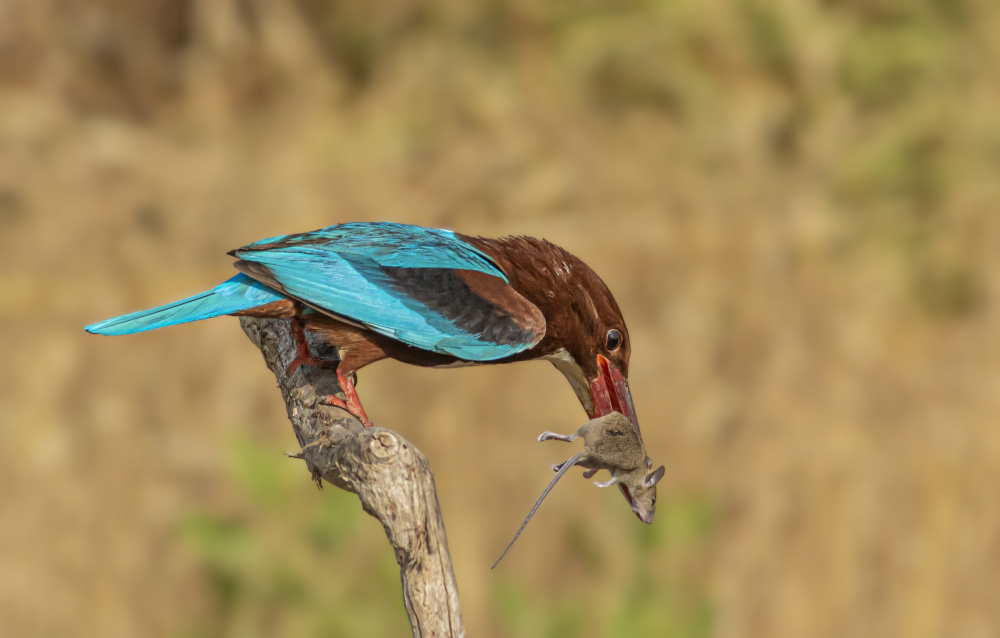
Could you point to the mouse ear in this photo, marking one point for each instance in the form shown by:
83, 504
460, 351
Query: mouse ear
653, 477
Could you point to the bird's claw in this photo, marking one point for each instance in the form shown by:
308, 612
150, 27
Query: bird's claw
350, 407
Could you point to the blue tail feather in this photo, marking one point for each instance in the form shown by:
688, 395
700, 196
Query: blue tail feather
234, 295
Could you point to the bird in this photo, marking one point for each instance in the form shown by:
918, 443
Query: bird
423, 296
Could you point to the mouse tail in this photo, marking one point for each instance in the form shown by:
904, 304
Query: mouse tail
562, 470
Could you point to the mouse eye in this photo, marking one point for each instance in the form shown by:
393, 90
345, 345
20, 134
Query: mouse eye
614, 340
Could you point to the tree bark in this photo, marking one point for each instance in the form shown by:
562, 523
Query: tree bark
390, 476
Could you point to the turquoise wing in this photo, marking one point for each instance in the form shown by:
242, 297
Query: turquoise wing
424, 287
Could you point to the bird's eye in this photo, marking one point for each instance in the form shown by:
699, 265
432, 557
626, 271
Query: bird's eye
614, 340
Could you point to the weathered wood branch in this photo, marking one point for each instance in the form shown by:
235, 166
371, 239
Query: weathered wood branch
390, 476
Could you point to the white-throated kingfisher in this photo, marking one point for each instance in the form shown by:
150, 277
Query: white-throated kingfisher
426, 297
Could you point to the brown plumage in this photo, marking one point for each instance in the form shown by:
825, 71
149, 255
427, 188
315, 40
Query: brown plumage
578, 308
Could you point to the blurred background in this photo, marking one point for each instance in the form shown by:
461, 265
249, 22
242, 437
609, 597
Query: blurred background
795, 204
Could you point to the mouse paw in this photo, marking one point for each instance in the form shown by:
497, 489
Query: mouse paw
552, 436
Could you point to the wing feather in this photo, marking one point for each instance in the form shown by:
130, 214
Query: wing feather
423, 287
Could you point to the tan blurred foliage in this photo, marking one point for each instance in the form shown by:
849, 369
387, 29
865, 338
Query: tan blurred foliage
795, 204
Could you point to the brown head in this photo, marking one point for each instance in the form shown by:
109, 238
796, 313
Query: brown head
585, 333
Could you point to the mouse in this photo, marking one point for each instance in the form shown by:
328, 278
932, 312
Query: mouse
609, 443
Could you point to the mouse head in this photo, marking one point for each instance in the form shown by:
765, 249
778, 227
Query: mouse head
612, 443
639, 489
609, 443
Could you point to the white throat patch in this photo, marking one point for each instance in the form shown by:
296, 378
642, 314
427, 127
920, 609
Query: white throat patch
565, 363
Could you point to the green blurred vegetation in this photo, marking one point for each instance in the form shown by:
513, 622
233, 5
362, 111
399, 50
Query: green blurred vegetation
277, 559
662, 595
285, 560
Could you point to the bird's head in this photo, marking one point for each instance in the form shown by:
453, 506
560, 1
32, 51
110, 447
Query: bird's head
587, 338
585, 333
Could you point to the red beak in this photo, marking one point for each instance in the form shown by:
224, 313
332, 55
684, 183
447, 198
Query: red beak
610, 393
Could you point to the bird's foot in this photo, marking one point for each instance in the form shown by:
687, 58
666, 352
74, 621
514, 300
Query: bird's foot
309, 360
356, 411
302, 353
351, 403
589, 473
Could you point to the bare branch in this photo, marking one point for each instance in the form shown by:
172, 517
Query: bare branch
390, 476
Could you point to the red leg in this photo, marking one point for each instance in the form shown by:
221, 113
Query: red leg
352, 403
302, 353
